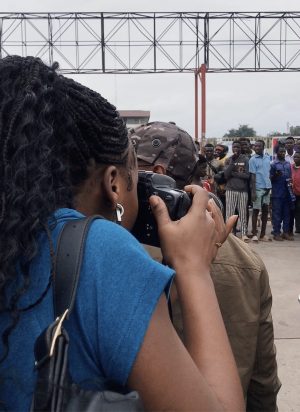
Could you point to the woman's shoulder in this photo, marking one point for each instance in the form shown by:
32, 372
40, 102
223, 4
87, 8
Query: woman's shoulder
101, 230
113, 256
119, 288
106, 236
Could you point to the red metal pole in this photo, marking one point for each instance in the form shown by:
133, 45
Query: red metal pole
203, 105
196, 105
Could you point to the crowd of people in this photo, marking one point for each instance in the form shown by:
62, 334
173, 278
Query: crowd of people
65, 154
240, 278
252, 180
187, 325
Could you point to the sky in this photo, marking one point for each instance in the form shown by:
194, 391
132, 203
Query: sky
265, 101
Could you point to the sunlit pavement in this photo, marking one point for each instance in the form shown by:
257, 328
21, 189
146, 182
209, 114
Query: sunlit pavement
282, 260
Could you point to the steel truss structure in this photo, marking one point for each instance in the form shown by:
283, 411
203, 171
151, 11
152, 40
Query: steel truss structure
156, 42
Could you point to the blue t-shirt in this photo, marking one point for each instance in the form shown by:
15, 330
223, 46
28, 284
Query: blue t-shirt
118, 290
260, 166
280, 172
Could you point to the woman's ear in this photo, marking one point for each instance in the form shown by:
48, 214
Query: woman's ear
100, 192
110, 186
160, 169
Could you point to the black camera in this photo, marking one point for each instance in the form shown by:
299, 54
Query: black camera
178, 203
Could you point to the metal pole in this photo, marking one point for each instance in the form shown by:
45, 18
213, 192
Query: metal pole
196, 104
203, 105
1, 25
102, 43
154, 43
50, 37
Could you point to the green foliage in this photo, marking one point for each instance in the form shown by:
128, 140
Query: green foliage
243, 131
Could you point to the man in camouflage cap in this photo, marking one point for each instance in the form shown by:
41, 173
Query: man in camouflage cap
165, 144
167, 149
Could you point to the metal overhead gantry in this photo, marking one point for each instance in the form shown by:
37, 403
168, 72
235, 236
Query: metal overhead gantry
122, 43
156, 42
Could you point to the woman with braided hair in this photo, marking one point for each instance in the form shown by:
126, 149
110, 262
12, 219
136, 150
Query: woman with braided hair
65, 154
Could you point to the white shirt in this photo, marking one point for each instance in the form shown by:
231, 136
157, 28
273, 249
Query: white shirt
290, 158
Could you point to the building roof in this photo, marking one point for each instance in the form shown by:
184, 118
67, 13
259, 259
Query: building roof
134, 113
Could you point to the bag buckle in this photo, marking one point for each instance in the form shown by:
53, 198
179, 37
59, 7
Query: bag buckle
57, 331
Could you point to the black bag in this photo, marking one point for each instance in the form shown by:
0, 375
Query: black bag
54, 389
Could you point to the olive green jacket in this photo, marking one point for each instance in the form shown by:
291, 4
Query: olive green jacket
243, 291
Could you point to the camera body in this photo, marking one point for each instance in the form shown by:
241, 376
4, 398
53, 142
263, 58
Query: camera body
177, 201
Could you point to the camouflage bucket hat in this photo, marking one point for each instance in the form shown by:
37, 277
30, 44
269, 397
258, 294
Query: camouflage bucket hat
166, 143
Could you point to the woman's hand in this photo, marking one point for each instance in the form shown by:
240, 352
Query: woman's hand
191, 241
222, 229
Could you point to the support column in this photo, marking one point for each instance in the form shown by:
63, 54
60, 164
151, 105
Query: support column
203, 105
1, 25
202, 76
196, 105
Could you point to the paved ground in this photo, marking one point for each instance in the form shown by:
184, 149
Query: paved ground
282, 260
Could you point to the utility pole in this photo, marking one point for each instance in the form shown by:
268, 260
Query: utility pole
200, 74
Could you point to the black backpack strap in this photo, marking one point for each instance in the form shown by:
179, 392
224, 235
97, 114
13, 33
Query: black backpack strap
68, 259
51, 347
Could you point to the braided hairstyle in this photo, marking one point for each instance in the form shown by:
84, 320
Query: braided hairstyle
50, 129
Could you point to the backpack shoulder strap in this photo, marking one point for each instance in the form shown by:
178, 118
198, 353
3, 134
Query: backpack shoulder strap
68, 259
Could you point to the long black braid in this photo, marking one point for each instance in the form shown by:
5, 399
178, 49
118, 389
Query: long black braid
50, 128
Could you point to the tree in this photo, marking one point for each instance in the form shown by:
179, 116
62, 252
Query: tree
243, 131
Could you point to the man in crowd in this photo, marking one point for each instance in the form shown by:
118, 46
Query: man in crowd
259, 167
237, 176
281, 198
289, 147
213, 166
247, 151
245, 146
239, 275
221, 151
200, 174
296, 189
